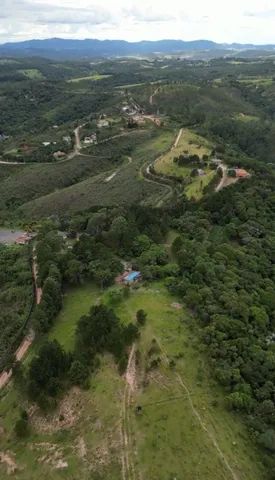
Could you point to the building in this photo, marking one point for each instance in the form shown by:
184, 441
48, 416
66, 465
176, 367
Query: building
59, 154
90, 139
24, 239
102, 123
241, 173
132, 277
67, 139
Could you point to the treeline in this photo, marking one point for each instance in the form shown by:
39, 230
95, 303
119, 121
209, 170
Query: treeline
16, 298
226, 252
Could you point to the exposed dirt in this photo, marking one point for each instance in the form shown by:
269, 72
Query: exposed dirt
52, 455
7, 458
177, 306
163, 382
178, 138
226, 180
81, 447
65, 417
103, 455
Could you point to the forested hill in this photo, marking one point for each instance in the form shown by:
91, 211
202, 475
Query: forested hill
59, 48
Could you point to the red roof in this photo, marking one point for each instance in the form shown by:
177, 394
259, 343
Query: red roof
241, 173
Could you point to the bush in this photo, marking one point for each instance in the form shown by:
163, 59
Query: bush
141, 317
22, 425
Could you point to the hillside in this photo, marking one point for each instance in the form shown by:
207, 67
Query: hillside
59, 48
137, 266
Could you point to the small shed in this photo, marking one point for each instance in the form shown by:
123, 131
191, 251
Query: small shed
132, 277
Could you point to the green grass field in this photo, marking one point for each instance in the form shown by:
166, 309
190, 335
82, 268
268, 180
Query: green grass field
167, 440
94, 77
246, 118
32, 74
190, 143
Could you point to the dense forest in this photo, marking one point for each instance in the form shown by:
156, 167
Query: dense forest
16, 298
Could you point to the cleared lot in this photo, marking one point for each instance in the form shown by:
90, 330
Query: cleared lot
9, 236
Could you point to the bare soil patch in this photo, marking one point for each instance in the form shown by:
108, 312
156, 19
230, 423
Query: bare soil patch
65, 417
7, 458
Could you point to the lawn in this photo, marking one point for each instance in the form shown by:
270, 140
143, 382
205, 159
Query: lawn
195, 189
167, 440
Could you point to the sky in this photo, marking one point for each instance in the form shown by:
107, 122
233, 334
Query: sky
244, 21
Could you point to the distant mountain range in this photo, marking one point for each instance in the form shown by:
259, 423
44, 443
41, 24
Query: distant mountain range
58, 48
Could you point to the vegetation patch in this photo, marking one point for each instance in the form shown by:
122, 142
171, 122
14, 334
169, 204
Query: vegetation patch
94, 77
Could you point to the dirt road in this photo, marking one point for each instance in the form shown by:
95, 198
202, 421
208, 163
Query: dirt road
151, 98
178, 138
127, 451
225, 180
27, 341
199, 418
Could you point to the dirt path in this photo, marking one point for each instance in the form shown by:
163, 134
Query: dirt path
28, 340
178, 138
225, 180
156, 179
113, 175
151, 98
127, 454
199, 418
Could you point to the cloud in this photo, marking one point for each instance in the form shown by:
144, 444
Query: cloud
143, 20
148, 15
43, 13
260, 14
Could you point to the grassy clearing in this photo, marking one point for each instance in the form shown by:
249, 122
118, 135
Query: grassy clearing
94, 77
195, 189
169, 439
32, 74
189, 143
243, 117
166, 441
77, 302
256, 80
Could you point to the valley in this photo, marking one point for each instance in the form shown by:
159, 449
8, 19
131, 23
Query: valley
137, 268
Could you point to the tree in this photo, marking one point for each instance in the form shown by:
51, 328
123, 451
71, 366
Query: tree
47, 370
267, 440
21, 427
73, 271
141, 316
78, 373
